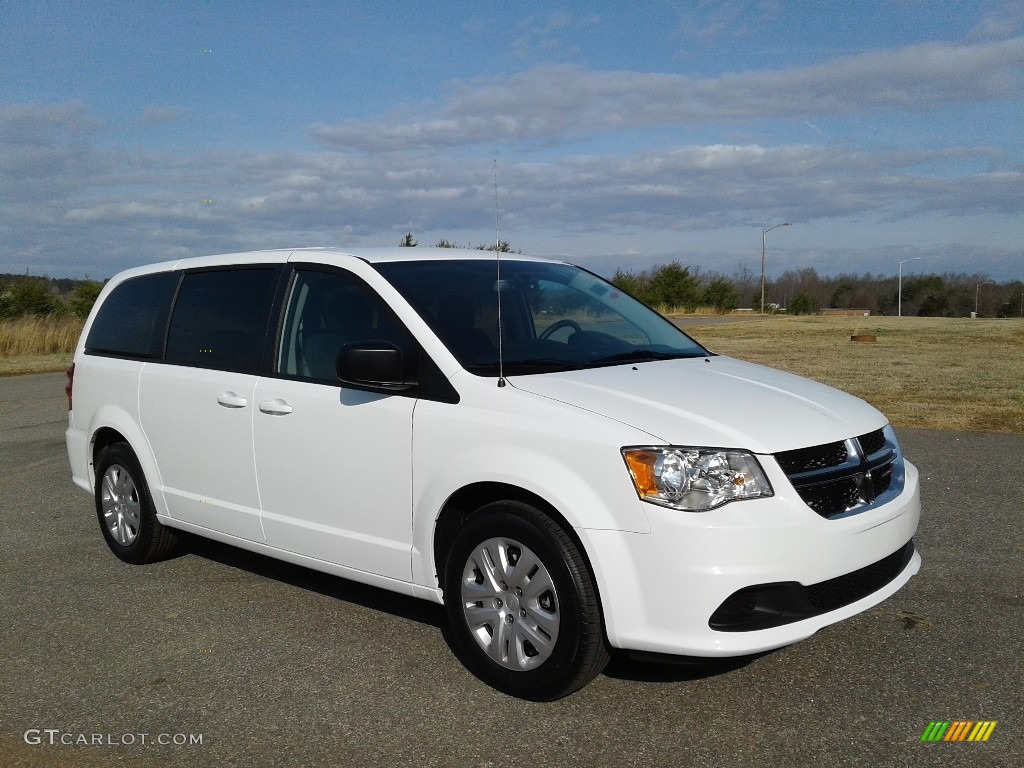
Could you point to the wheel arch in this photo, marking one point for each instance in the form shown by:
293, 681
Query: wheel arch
113, 425
462, 504
102, 439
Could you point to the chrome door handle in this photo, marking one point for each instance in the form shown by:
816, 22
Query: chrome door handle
231, 400
275, 407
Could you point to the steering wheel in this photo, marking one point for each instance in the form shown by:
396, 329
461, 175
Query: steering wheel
551, 329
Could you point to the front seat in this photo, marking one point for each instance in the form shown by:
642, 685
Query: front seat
346, 318
457, 328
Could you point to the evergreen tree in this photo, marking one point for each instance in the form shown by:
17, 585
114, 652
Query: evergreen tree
673, 286
722, 295
804, 304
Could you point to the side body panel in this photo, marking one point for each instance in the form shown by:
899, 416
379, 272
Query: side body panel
105, 397
199, 423
565, 455
334, 474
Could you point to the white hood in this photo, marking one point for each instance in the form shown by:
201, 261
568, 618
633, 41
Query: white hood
716, 401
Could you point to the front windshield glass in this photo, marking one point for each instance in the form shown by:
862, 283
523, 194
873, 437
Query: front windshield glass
554, 317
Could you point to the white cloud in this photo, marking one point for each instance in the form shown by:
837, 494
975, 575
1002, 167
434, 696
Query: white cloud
149, 204
547, 35
75, 199
711, 20
1004, 20
558, 102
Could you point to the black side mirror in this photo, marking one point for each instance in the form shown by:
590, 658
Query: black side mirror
377, 366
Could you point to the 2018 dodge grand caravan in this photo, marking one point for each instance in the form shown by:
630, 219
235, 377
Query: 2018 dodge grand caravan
560, 466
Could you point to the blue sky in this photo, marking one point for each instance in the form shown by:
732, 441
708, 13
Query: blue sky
626, 134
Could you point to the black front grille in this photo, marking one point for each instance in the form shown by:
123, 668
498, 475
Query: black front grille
833, 497
771, 605
872, 442
836, 478
881, 479
811, 459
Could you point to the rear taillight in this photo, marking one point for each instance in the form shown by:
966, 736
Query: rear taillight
70, 385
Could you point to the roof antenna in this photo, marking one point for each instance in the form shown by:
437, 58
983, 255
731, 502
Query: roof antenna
497, 284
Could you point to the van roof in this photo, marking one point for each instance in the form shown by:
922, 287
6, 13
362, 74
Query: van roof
331, 254
395, 253
327, 255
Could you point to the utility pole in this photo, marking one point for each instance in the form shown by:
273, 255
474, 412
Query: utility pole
977, 288
763, 233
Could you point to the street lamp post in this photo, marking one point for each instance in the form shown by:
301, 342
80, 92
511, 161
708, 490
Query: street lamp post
763, 233
977, 288
899, 290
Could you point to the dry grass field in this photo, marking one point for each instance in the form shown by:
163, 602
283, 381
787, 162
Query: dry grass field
927, 373
35, 344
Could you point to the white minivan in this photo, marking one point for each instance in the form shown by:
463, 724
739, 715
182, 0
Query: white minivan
560, 466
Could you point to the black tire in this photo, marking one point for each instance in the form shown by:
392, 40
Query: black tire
536, 630
125, 509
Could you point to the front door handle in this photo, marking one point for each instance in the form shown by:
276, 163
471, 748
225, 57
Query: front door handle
231, 400
275, 407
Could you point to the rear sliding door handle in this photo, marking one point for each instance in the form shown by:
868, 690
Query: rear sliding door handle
231, 400
275, 407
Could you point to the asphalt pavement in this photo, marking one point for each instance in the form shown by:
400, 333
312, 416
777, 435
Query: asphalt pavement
223, 658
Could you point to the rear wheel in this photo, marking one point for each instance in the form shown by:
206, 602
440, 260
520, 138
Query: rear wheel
125, 509
522, 604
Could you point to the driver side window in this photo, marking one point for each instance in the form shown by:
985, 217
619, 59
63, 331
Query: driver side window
327, 310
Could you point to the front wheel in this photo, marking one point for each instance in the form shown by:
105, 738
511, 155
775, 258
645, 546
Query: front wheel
522, 604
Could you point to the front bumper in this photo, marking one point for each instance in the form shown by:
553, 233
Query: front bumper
661, 590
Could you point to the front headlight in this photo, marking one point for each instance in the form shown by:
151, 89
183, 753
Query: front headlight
695, 479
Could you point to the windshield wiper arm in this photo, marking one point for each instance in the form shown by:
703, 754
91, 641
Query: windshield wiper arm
531, 364
643, 355
544, 362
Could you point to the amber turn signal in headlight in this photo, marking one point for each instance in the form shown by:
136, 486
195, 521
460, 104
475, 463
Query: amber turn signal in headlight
695, 479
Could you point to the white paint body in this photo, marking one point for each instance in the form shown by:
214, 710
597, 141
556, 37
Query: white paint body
352, 483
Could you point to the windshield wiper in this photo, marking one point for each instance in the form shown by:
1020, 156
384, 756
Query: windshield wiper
544, 363
643, 356
527, 365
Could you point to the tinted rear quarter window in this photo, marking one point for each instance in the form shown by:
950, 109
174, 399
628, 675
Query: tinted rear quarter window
132, 321
221, 318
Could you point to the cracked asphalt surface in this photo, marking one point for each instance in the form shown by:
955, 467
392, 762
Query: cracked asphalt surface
273, 665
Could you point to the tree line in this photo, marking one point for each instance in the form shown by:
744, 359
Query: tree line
675, 287
805, 292
671, 287
26, 295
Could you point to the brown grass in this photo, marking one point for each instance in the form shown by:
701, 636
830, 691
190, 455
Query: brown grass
704, 309
929, 373
36, 344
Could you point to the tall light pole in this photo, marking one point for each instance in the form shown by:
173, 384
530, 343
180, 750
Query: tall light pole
977, 288
899, 291
763, 233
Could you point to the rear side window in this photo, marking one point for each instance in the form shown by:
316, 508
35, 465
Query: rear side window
132, 320
221, 317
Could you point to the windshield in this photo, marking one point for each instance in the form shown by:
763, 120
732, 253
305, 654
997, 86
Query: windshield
554, 317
